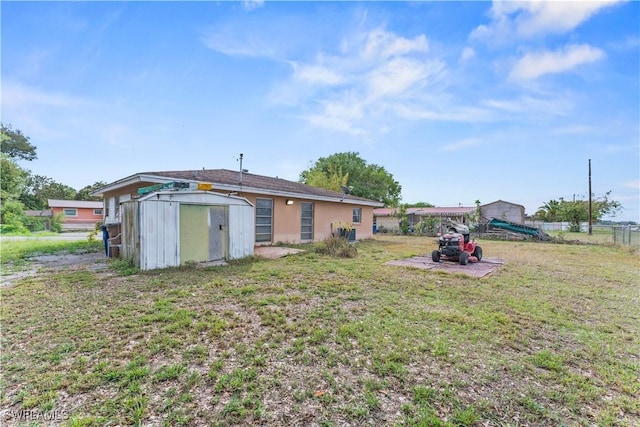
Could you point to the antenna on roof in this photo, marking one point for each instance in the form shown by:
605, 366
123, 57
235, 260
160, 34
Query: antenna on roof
345, 191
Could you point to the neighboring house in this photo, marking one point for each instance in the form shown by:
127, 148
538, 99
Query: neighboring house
385, 217
78, 214
284, 211
503, 210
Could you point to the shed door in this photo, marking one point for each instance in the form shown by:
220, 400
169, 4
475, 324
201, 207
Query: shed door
204, 233
218, 232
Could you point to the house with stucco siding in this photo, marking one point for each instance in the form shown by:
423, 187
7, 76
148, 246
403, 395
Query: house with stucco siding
284, 211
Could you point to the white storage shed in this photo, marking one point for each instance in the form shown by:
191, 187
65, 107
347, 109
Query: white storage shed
503, 210
171, 228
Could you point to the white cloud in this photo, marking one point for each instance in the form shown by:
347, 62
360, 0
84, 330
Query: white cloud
534, 65
558, 105
467, 54
250, 5
543, 17
396, 77
363, 80
531, 18
335, 124
235, 45
632, 184
316, 74
382, 44
18, 95
461, 145
448, 113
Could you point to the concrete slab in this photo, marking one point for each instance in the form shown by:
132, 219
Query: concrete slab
274, 252
479, 269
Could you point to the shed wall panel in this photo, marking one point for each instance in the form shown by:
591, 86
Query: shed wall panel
159, 235
130, 235
241, 231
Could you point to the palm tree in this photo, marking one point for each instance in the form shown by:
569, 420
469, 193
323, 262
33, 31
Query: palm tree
550, 211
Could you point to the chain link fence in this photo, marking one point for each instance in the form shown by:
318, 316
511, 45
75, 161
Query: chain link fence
628, 235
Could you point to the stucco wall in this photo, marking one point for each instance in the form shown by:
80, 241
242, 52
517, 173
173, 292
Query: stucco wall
504, 210
84, 215
287, 218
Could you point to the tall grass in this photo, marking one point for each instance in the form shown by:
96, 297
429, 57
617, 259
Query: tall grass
551, 338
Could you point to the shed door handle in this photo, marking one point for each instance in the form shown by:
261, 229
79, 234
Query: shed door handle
220, 226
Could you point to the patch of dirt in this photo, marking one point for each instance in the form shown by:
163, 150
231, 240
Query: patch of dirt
94, 261
273, 252
476, 269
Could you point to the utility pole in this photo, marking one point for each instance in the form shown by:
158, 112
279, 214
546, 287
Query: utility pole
590, 226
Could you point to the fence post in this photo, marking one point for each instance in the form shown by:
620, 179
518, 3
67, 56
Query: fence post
628, 242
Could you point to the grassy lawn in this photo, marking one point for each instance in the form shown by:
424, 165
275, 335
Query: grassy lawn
597, 236
551, 338
14, 255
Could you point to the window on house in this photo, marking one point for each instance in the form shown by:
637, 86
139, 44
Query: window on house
306, 221
357, 215
70, 212
264, 220
97, 212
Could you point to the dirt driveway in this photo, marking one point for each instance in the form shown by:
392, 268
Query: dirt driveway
94, 261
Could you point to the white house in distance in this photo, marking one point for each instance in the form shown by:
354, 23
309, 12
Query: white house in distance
384, 217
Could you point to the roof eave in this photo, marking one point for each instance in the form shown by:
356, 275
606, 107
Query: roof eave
256, 190
231, 188
124, 182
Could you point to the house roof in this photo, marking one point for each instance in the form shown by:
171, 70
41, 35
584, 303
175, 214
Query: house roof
442, 211
54, 203
44, 212
234, 181
505, 202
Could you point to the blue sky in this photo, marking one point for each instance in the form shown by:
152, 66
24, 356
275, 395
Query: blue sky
457, 100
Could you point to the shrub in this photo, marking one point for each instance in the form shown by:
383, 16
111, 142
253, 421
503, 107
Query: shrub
337, 246
428, 225
126, 267
12, 217
56, 222
35, 223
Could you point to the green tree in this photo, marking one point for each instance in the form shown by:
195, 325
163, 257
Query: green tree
549, 212
39, 189
13, 179
15, 145
365, 180
85, 192
331, 180
420, 205
12, 218
403, 218
577, 211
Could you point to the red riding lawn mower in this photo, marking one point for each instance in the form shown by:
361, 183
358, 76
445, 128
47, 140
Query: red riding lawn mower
455, 246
